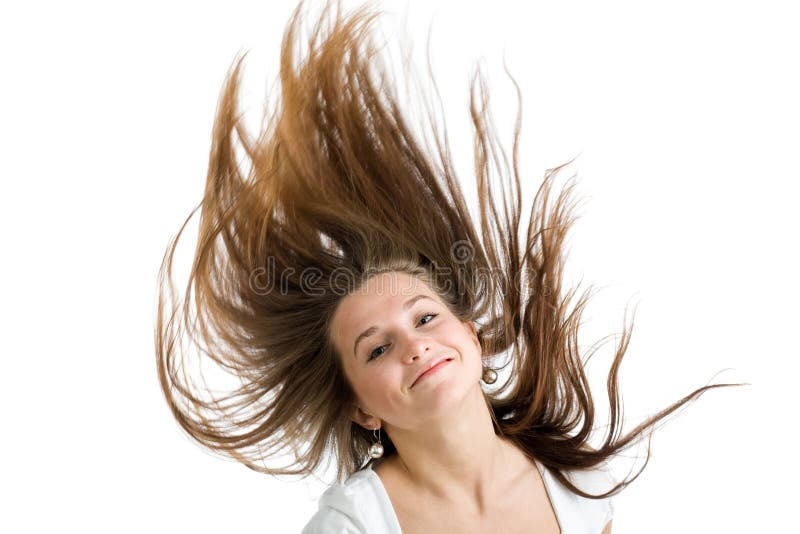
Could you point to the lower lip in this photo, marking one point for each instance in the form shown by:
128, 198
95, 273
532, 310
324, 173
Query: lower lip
433, 370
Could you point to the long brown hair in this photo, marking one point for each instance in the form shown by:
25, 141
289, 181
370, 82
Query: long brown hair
338, 188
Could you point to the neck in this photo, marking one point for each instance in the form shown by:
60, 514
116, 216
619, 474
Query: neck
459, 461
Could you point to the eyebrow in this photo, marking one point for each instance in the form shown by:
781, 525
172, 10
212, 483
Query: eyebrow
372, 329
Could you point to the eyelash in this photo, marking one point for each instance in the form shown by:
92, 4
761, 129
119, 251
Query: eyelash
372, 355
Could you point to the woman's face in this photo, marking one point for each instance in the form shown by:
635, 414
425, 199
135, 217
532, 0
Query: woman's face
388, 332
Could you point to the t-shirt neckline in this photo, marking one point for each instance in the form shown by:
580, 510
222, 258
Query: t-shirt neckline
542, 472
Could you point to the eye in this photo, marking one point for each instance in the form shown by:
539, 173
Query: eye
374, 354
431, 315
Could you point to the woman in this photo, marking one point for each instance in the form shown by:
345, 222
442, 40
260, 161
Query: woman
451, 472
343, 281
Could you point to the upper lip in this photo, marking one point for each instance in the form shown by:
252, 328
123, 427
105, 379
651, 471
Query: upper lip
428, 366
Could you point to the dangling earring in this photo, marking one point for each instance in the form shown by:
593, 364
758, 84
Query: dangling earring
489, 375
376, 449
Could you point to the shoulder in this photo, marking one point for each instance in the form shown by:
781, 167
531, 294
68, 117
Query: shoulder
595, 481
578, 513
330, 521
353, 507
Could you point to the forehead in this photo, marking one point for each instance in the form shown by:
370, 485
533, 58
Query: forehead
385, 288
382, 293
389, 285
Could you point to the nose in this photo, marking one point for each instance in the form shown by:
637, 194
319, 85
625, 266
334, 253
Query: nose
415, 347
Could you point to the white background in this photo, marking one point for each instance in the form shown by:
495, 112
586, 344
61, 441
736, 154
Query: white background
685, 119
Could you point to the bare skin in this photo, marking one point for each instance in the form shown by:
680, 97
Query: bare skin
451, 471
520, 501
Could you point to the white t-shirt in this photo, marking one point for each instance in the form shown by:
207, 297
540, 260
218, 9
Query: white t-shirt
362, 506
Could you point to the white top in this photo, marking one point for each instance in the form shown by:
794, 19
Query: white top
362, 506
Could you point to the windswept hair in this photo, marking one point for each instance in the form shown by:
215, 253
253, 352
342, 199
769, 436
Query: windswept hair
336, 188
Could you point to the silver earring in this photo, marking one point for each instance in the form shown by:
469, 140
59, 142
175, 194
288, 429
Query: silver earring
376, 449
489, 375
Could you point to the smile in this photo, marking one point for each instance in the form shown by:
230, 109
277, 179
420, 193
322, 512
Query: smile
432, 371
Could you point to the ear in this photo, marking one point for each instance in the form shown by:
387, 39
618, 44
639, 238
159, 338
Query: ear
359, 416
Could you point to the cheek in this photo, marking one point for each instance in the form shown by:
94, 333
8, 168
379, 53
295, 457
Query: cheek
377, 386
473, 357
471, 354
